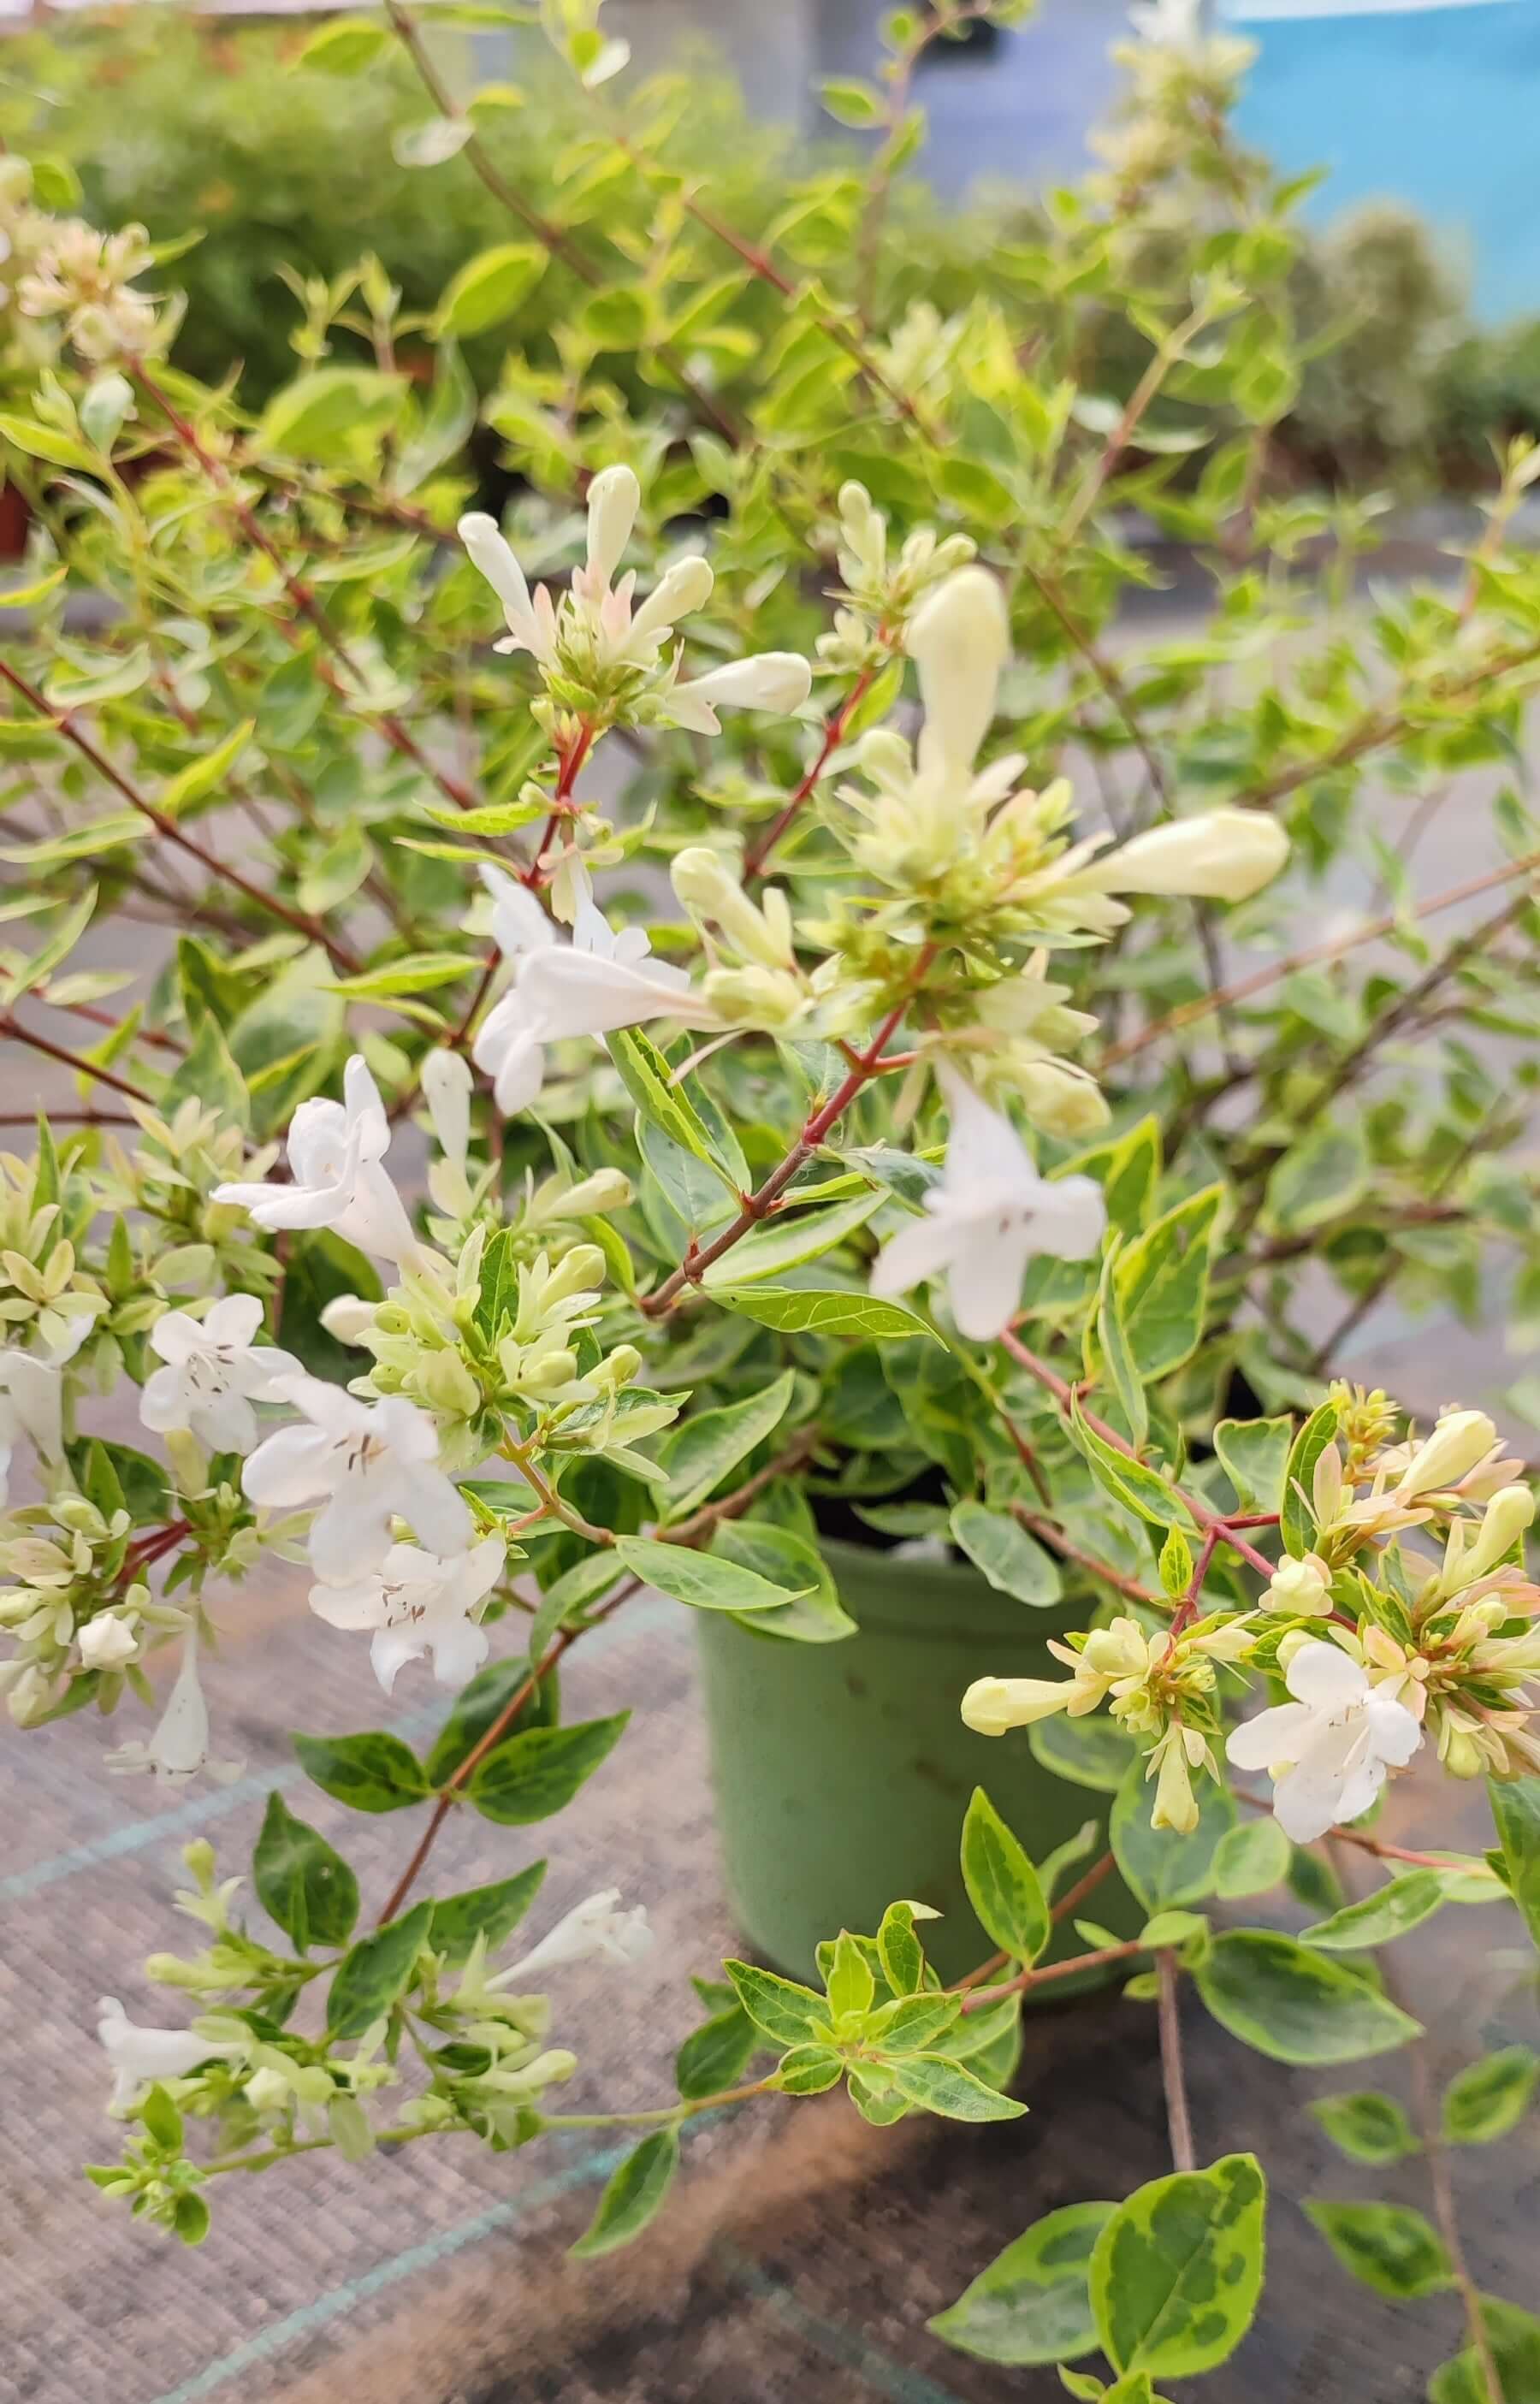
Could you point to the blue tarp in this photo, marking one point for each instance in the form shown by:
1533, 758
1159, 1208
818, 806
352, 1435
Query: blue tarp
1435, 106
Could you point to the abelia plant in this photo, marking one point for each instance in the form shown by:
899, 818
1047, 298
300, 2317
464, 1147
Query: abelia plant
837, 1109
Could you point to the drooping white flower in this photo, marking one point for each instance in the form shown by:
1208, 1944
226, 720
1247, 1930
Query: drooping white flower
336, 1151
1328, 1751
214, 1371
31, 1406
140, 2056
600, 981
417, 1604
988, 1217
447, 1086
363, 1463
774, 680
1224, 855
178, 1748
596, 1925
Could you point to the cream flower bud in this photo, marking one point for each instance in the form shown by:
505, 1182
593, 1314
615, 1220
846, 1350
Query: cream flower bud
778, 681
107, 1643
1299, 1585
348, 1317
993, 1705
1461, 1756
1062, 1100
1458, 1444
704, 883
960, 639
490, 554
1119, 1651
608, 1189
1225, 855
267, 2091
679, 592
1505, 1521
614, 496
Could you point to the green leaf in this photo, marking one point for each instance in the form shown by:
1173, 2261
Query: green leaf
301, 1883
783, 1244
488, 289
1402, 1904
1033, 2303
1092, 1752
1516, 1813
1013, 1562
413, 973
1116, 1358
1161, 1280
479, 1704
490, 1911
373, 1978
1490, 2097
1164, 1868
47, 442
699, 1454
1392, 2249
1514, 2337
815, 1615
1299, 1525
1129, 1482
1294, 2004
633, 2196
1253, 1453
162, 2121
344, 46
1252, 1859
781, 2010
698, 1579
1003, 1885
715, 2055
200, 776
806, 1310
1368, 2127
1176, 2272
809, 2070
329, 413
900, 1951
370, 1772
850, 102
946, 2089
1319, 1177
645, 1072
529, 1777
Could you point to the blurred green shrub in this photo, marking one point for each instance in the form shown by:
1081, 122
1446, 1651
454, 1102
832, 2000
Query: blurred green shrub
184, 124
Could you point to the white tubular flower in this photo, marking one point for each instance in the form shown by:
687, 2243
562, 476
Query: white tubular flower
991, 1214
614, 496
531, 621
447, 1084
335, 1155
418, 1604
364, 1462
141, 2056
994, 1706
1328, 1751
1225, 855
214, 1372
178, 1748
593, 1926
779, 681
31, 1407
959, 640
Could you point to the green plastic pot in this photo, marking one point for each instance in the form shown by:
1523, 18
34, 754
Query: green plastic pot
842, 1771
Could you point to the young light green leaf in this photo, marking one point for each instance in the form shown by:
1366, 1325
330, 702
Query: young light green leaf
785, 1244
645, 1073
1516, 1811
1254, 1454
1176, 2272
1401, 1903
808, 1310
1161, 1281
1032, 2304
634, 2194
1298, 1527
1003, 1885
1130, 1482
1514, 2337
945, 2088
1252, 1859
781, 2010
488, 289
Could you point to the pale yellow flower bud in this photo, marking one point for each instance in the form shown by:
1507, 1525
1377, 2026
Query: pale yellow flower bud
1225, 855
1299, 1585
993, 1705
1458, 1444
